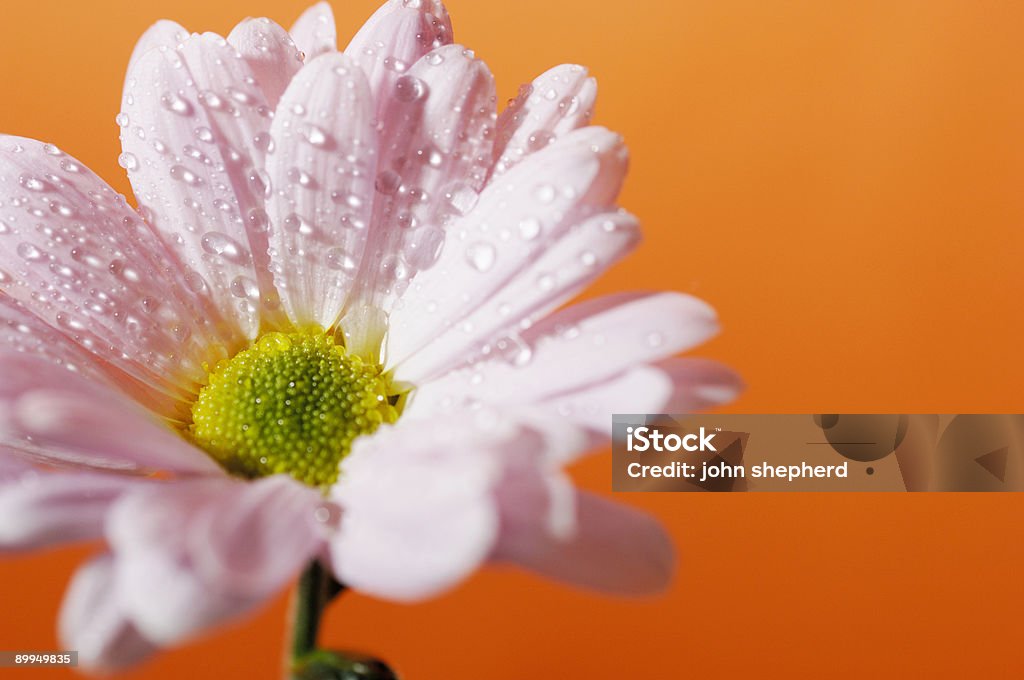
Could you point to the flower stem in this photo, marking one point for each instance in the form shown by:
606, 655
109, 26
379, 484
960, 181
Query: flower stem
315, 590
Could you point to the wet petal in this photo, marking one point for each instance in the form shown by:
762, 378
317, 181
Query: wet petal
197, 170
271, 54
164, 33
577, 347
573, 260
436, 148
559, 186
556, 103
55, 416
322, 174
394, 38
314, 32
77, 257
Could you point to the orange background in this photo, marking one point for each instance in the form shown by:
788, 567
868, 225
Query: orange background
843, 181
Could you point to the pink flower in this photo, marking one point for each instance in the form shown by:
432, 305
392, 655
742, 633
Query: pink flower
174, 378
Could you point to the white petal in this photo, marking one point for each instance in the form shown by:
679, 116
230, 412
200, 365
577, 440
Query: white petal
93, 624
198, 170
314, 32
75, 255
271, 54
552, 190
322, 175
40, 509
436, 147
613, 548
554, 104
417, 510
164, 33
394, 38
173, 536
573, 260
59, 417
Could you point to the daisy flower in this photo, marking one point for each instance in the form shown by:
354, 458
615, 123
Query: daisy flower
332, 333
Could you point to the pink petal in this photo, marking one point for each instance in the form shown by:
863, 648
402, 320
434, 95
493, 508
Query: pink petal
164, 33
198, 171
314, 32
643, 389
41, 509
698, 384
417, 511
78, 258
436, 148
93, 624
59, 417
613, 548
572, 261
271, 54
322, 173
217, 548
556, 103
550, 191
394, 38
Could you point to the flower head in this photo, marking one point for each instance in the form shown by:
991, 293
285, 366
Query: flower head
332, 329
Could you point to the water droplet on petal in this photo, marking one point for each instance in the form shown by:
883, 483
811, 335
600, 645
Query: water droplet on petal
409, 89
122, 119
529, 228
183, 174
216, 243
545, 193
176, 104
30, 252
338, 259
388, 182
128, 161
481, 256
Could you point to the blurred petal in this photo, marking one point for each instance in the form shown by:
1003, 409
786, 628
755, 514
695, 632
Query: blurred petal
417, 511
698, 384
92, 623
322, 174
183, 536
41, 509
271, 54
314, 32
613, 548
556, 103
555, 188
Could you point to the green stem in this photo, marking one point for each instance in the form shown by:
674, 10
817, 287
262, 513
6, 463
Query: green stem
316, 589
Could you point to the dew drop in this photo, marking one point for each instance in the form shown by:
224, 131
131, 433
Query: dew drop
204, 134
409, 89
244, 287
529, 228
338, 259
176, 104
29, 252
545, 193
34, 183
122, 119
388, 182
481, 256
183, 174
216, 243
314, 135
128, 161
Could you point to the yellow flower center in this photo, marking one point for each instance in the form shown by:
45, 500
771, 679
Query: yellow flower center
292, 403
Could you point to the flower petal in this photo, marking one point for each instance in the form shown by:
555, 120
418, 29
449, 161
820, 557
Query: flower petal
613, 548
582, 345
182, 536
395, 37
41, 509
92, 622
417, 511
314, 32
58, 417
437, 136
565, 267
76, 256
517, 216
198, 170
322, 174
554, 104
271, 54
698, 384
164, 33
